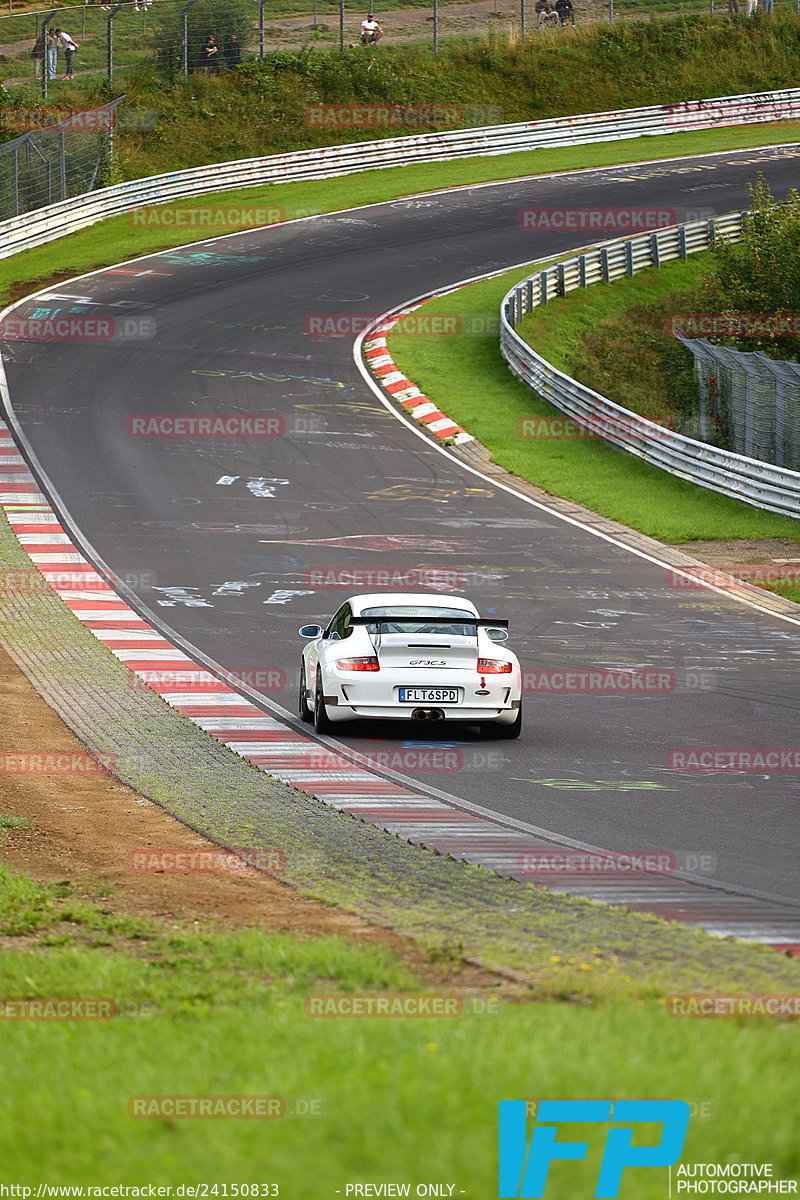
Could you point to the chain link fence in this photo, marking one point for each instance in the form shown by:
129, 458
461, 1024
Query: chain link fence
169, 33
747, 402
54, 163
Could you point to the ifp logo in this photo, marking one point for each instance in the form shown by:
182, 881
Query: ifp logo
524, 1166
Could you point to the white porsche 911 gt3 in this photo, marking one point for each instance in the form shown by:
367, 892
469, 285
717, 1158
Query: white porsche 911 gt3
411, 656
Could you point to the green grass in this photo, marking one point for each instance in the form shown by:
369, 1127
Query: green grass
589, 472
608, 336
8, 822
788, 588
118, 239
215, 1013
407, 1100
595, 475
138, 38
263, 107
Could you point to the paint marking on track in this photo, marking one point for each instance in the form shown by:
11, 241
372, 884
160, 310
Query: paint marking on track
350, 786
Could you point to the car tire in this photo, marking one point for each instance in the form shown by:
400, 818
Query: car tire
503, 732
306, 712
322, 722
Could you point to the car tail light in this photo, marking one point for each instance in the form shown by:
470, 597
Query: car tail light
493, 666
368, 663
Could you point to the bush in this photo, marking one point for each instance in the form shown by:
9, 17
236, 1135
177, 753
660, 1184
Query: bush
761, 273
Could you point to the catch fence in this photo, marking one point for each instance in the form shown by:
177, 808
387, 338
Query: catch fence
55, 159
169, 33
748, 402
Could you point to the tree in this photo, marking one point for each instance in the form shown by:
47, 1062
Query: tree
760, 275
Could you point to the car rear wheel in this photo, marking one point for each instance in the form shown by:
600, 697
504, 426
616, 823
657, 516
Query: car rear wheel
503, 732
306, 713
322, 722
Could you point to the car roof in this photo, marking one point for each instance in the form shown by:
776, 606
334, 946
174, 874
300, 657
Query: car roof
410, 599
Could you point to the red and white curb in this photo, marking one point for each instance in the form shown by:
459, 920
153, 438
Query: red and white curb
305, 764
392, 380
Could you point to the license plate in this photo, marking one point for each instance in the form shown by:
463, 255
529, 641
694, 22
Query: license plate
416, 695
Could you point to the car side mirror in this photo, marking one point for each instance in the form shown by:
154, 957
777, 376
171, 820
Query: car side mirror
497, 635
310, 631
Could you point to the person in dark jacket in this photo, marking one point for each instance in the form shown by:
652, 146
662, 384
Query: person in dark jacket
232, 51
566, 13
209, 56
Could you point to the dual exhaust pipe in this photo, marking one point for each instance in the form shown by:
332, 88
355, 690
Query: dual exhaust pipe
427, 714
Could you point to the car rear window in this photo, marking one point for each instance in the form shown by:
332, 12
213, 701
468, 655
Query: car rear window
430, 625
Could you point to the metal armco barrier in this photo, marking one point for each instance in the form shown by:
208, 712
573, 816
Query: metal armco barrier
58, 220
758, 483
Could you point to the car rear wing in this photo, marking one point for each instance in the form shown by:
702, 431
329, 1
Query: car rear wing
431, 619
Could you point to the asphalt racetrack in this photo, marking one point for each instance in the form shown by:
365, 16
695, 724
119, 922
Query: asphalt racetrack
231, 544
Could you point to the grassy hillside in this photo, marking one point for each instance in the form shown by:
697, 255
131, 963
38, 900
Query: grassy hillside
263, 107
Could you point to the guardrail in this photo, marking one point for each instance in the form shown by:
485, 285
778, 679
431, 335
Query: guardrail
758, 483
58, 220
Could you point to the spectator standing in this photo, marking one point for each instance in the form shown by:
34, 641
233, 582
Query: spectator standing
209, 56
752, 5
565, 12
37, 54
52, 53
232, 51
371, 32
767, 6
733, 8
69, 49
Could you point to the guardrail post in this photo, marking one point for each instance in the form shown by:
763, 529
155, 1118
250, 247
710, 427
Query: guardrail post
604, 264
682, 240
655, 250
543, 288
712, 233
46, 61
629, 257
529, 294
562, 286
582, 270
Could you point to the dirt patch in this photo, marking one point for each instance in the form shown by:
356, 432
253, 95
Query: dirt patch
20, 288
769, 552
83, 826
